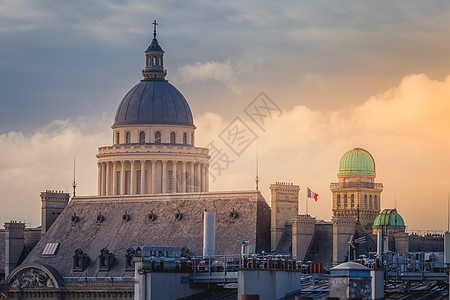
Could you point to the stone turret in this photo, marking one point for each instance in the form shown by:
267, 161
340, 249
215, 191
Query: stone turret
284, 206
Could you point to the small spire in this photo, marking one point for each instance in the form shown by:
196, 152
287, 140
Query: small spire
154, 29
74, 184
257, 171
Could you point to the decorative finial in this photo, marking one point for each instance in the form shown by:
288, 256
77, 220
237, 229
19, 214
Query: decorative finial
154, 29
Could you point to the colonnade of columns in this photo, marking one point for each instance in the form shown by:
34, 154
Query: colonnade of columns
133, 177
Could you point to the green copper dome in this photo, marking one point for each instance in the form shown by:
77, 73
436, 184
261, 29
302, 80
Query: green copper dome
357, 162
390, 218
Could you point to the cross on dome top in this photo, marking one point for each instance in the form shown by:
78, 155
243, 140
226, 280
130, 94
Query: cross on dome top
154, 29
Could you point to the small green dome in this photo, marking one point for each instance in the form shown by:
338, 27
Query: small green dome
357, 162
390, 218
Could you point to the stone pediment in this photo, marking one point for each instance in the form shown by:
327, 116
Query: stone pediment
34, 276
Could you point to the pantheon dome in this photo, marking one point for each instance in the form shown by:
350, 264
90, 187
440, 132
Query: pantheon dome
153, 150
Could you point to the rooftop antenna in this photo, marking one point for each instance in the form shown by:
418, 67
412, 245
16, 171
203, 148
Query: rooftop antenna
257, 171
74, 184
358, 212
395, 201
154, 29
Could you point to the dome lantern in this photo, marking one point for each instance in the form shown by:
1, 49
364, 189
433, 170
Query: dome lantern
154, 64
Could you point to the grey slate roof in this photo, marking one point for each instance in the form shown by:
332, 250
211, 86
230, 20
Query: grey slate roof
117, 236
154, 101
321, 248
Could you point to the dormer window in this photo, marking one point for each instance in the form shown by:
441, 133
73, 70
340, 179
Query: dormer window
129, 264
106, 260
80, 261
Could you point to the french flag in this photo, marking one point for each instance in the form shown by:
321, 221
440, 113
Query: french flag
311, 194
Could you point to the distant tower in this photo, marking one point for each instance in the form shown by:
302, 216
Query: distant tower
53, 203
356, 194
284, 206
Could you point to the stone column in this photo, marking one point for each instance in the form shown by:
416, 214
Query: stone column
164, 176
142, 177
174, 179
114, 179
103, 178
153, 176
183, 177
198, 186
122, 178
207, 177
192, 177
133, 178
202, 166
99, 164
108, 178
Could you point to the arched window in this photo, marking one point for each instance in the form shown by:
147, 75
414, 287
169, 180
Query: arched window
141, 137
370, 201
172, 137
345, 201
184, 138
155, 60
365, 201
158, 138
192, 139
375, 202
128, 138
117, 138
352, 197
338, 202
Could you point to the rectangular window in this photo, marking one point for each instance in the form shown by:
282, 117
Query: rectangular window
118, 183
127, 182
138, 183
170, 182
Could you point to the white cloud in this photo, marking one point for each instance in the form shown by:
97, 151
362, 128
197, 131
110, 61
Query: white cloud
405, 128
223, 72
32, 163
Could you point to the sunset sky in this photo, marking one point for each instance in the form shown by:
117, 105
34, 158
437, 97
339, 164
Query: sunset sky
370, 74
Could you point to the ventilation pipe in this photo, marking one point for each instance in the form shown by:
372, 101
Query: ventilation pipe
209, 233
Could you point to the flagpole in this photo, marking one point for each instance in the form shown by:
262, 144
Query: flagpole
306, 199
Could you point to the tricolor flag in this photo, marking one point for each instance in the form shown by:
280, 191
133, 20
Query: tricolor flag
311, 194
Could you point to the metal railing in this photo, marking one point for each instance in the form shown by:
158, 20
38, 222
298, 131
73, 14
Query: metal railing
358, 185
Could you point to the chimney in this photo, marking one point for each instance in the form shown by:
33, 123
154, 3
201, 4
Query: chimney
14, 244
209, 233
53, 203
